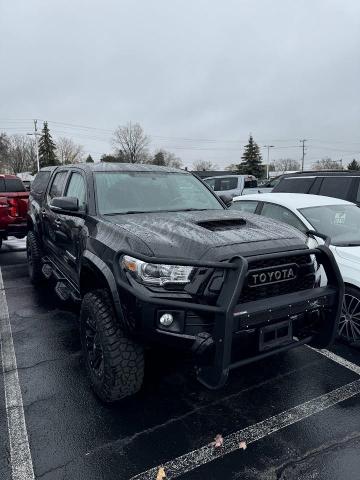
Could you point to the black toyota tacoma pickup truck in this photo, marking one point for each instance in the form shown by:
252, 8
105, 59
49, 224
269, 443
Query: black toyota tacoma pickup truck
154, 256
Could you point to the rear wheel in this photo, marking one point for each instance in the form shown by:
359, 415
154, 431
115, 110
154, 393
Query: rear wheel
1, 242
114, 362
33, 252
349, 325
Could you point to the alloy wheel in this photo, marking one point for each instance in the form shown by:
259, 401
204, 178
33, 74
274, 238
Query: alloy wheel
94, 348
349, 325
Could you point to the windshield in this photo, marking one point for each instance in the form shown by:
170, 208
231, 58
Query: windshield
340, 222
135, 192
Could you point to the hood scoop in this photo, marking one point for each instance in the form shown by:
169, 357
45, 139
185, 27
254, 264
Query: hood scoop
222, 225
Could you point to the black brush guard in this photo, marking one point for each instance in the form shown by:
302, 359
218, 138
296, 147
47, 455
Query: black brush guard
228, 312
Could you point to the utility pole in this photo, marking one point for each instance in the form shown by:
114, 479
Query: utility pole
303, 153
268, 158
36, 135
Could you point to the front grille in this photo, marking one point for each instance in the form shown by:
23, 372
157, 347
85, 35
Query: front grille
305, 278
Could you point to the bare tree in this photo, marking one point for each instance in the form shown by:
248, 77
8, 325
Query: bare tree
67, 151
4, 151
327, 164
286, 164
132, 142
200, 165
21, 154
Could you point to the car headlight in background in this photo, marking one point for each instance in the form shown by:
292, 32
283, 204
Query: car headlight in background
156, 274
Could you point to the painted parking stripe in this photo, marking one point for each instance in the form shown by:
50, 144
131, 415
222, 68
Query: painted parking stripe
21, 462
188, 462
197, 458
336, 358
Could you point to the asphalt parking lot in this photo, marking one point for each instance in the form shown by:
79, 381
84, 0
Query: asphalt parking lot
299, 413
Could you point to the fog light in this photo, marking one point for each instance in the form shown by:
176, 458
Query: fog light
166, 320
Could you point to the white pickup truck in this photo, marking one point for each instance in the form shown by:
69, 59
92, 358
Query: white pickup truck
235, 185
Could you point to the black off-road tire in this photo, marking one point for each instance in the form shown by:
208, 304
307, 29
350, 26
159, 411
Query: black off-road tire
121, 370
33, 252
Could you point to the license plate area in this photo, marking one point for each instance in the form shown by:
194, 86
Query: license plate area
275, 335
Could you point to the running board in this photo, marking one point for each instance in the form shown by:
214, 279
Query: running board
63, 288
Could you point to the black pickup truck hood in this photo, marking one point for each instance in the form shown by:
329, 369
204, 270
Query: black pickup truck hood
210, 234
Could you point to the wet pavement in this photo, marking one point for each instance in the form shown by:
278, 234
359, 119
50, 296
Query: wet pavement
73, 436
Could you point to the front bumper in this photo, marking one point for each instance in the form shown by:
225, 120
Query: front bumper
312, 314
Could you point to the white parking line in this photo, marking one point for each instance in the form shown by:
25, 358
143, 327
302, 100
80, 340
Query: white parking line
336, 358
21, 462
188, 462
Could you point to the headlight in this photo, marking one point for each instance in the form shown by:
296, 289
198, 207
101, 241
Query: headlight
155, 274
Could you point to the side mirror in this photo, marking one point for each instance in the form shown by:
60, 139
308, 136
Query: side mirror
64, 204
226, 198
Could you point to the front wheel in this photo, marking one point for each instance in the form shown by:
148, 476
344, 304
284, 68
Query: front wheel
114, 362
349, 324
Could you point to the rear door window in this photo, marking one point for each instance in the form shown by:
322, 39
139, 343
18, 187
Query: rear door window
11, 185
295, 185
338, 187
40, 182
245, 206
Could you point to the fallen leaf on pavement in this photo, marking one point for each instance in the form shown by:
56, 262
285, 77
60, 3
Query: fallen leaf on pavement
218, 441
161, 475
243, 445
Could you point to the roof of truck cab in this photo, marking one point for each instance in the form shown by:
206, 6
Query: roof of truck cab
293, 200
323, 173
120, 167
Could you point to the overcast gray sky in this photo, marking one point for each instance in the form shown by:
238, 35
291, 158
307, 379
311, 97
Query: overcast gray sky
198, 75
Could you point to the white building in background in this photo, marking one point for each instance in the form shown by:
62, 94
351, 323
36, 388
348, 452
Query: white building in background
25, 176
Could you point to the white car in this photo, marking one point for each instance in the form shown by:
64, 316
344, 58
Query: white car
339, 220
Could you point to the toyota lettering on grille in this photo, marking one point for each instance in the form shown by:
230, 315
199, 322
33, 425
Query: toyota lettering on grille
270, 275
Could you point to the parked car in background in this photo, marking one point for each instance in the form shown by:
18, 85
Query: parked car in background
338, 184
335, 218
13, 207
234, 185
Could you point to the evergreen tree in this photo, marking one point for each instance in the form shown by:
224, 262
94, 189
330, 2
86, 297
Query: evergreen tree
89, 159
251, 159
159, 159
47, 148
354, 165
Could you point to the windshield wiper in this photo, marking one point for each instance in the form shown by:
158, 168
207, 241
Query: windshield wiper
189, 210
124, 213
348, 244
129, 212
